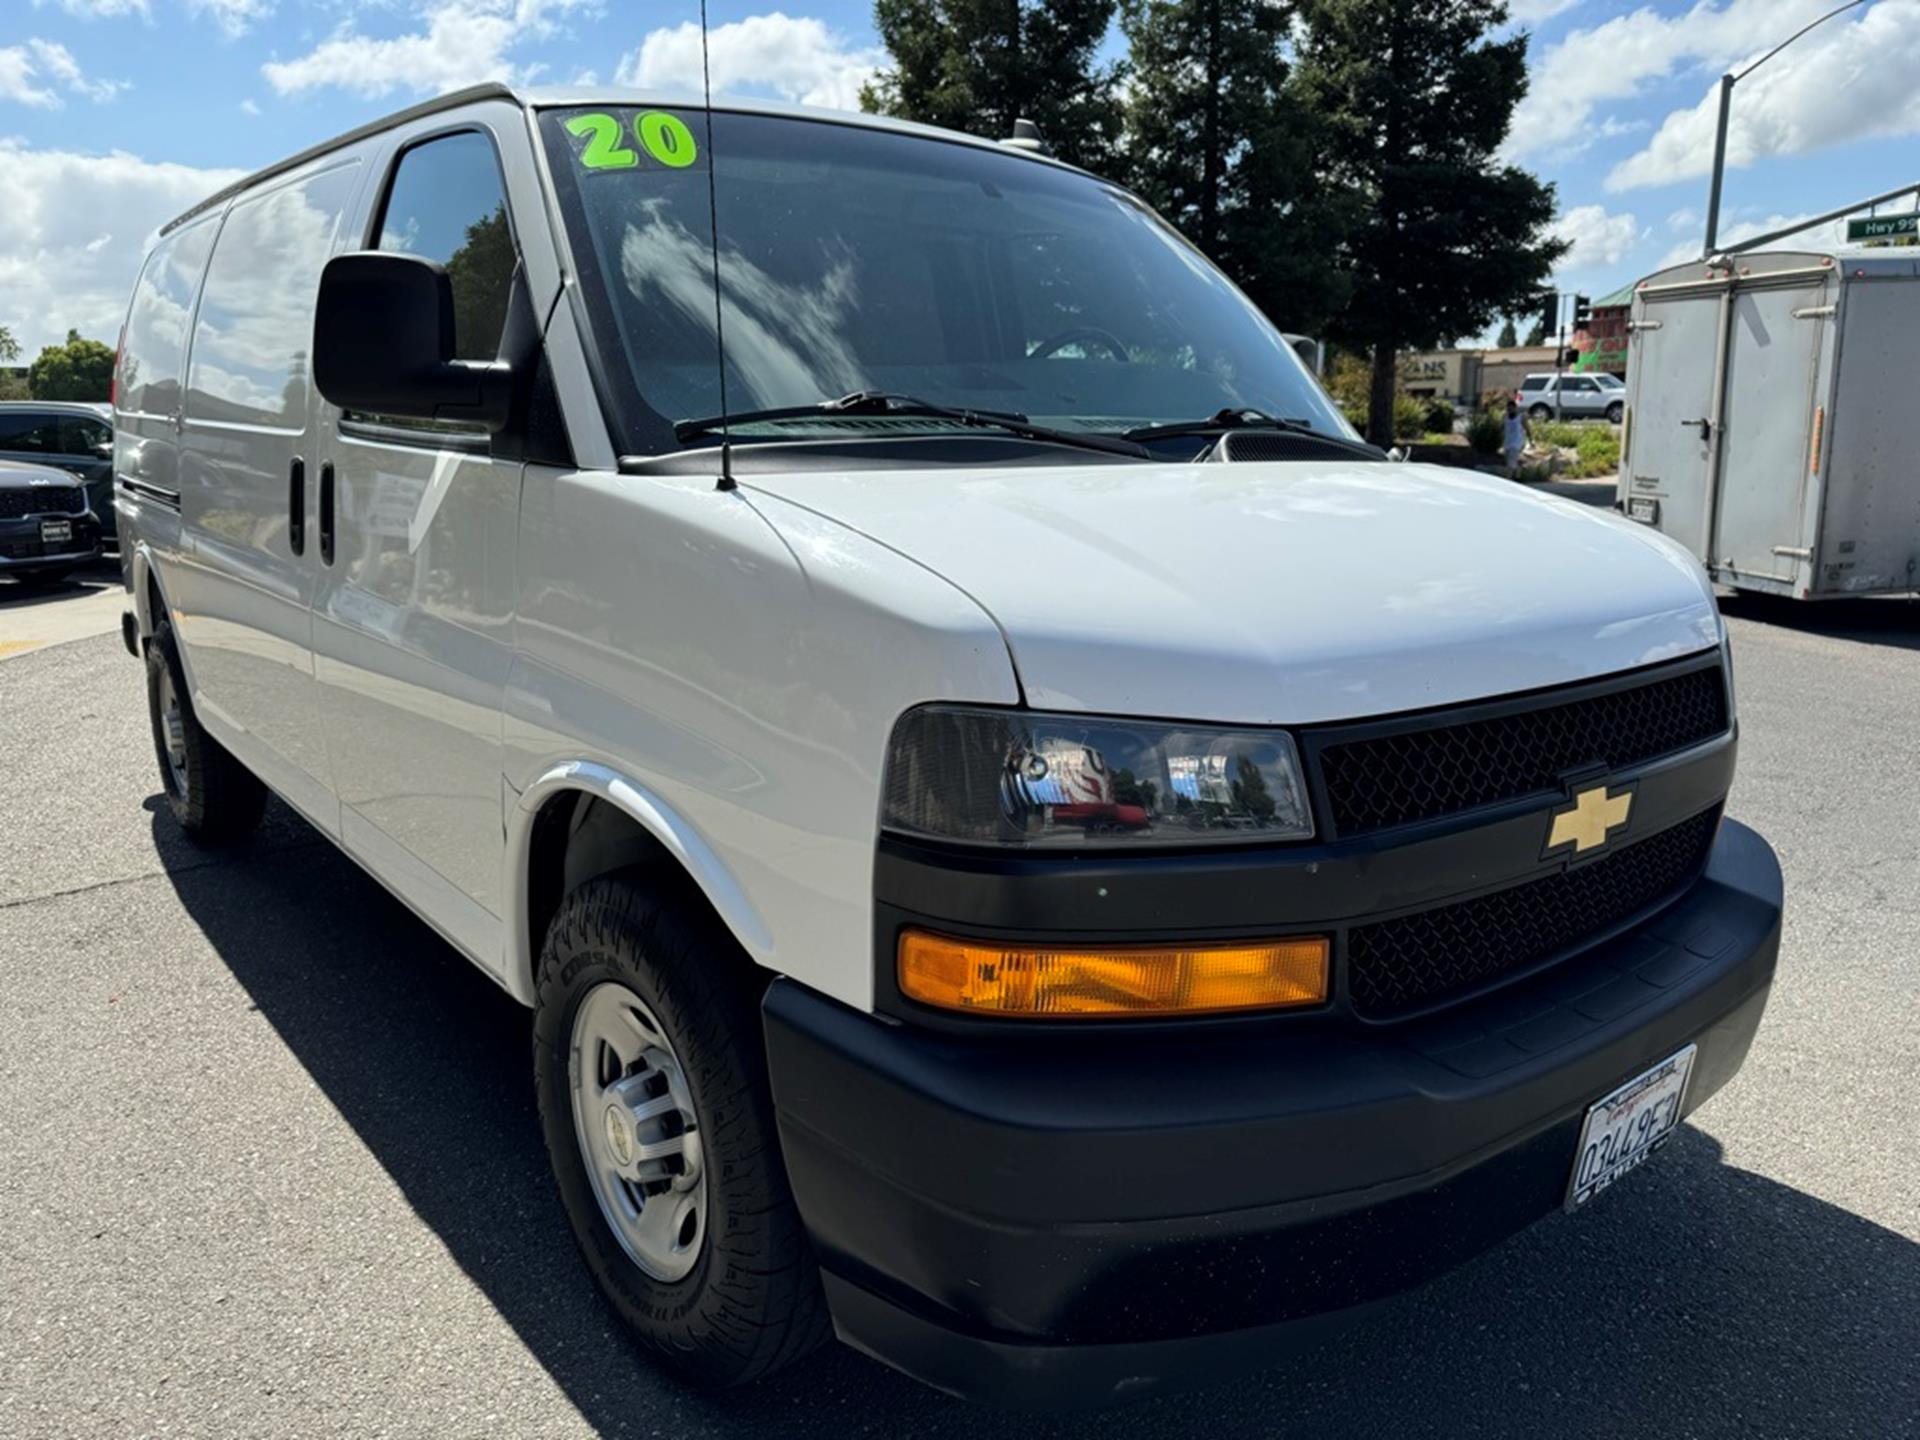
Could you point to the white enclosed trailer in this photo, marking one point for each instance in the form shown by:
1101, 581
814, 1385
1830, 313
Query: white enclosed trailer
1771, 425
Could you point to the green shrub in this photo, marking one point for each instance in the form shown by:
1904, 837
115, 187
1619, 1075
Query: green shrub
1409, 417
1356, 416
1486, 430
1440, 417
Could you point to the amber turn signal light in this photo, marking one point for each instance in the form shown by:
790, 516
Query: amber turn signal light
1112, 980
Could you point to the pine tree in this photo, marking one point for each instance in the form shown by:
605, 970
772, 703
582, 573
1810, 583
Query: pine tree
1417, 96
979, 65
1217, 141
1508, 336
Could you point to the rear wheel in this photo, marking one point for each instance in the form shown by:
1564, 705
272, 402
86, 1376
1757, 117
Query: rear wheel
1540, 412
650, 1070
215, 798
1615, 412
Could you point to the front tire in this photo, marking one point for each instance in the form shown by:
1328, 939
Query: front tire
215, 799
1616, 412
650, 1071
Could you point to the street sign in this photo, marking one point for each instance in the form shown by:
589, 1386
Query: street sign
1885, 230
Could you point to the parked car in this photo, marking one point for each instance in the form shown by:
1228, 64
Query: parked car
45, 526
1574, 397
989, 883
71, 434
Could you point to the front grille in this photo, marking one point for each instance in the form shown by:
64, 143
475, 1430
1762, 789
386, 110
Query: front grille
1396, 966
42, 500
1440, 769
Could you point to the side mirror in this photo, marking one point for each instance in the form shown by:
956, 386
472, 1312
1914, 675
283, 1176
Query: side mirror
383, 344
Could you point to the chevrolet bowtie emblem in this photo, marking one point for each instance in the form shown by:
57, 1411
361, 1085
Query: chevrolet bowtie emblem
1589, 820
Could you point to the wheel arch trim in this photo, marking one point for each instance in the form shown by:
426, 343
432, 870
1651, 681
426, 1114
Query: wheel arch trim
681, 840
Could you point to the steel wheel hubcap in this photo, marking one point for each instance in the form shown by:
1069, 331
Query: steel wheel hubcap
639, 1137
173, 732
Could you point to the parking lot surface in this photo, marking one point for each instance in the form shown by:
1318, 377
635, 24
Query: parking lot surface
269, 1163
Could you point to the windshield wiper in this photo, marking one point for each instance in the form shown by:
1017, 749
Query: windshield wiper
1225, 420
886, 402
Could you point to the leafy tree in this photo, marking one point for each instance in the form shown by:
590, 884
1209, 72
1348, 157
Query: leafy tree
1508, 337
1416, 97
1219, 143
9, 347
978, 65
78, 370
481, 273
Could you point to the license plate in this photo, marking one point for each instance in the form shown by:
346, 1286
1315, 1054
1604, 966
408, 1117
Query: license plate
1644, 509
55, 532
1624, 1128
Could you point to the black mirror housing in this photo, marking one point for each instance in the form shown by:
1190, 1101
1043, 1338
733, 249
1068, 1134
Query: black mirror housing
383, 344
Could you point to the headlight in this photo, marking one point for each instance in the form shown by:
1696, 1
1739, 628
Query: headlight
1017, 777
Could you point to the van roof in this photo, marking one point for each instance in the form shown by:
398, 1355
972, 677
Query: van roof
560, 95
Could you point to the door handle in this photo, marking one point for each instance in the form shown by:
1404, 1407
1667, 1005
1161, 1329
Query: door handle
297, 506
1706, 429
326, 513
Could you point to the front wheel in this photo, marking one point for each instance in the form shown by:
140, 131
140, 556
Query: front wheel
650, 1070
1615, 412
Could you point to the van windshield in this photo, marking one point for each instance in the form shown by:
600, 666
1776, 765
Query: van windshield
856, 259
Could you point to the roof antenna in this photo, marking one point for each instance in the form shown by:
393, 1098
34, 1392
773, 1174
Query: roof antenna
713, 222
1027, 136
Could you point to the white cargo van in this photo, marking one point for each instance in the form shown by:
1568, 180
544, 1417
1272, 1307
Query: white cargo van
1028, 845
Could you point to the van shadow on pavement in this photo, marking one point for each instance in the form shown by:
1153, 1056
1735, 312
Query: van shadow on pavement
1697, 1299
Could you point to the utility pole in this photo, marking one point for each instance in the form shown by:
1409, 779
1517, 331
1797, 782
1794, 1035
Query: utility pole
1727, 82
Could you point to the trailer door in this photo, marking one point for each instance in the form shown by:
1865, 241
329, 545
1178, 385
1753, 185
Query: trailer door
1673, 362
1773, 356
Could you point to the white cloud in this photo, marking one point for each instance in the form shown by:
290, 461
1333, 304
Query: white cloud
464, 42
1821, 238
234, 17
249, 106
796, 58
1619, 58
37, 71
99, 9
1598, 240
1846, 81
1533, 12
59, 267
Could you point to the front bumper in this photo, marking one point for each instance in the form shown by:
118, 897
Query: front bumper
1057, 1219
22, 550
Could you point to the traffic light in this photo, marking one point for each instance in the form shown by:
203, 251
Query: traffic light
1549, 303
1582, 312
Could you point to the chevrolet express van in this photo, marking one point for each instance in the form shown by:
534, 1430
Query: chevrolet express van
1029, 846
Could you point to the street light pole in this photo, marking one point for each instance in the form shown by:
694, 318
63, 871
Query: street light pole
1727, 82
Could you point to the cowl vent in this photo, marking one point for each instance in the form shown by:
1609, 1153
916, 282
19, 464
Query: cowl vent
1252, 446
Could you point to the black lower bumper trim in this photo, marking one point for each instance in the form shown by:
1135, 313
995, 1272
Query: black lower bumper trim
1099, 1215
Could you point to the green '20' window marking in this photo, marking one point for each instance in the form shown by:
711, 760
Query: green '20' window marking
606, 149
666, 138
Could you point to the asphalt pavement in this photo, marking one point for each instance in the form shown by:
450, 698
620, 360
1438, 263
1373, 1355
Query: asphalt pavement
269, 1163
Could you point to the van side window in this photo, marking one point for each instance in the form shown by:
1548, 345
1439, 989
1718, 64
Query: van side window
155, 347
447, 204
255, 328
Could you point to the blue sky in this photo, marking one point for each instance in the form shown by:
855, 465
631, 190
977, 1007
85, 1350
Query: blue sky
116, 114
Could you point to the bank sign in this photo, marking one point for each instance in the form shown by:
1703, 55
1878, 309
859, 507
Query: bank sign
1885, 230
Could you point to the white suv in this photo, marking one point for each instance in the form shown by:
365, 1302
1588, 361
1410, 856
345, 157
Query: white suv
1574, 397
1028, 846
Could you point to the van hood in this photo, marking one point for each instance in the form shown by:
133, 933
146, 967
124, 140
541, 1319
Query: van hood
1279, 593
